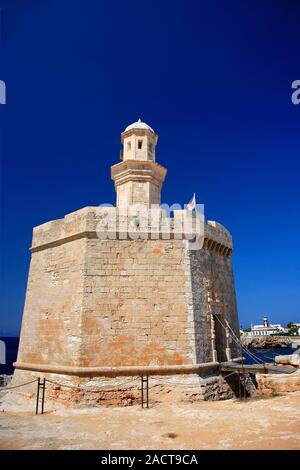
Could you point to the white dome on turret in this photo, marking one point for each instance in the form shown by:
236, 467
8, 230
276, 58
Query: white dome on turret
139, 125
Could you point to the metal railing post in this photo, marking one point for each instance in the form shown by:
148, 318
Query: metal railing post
147, 383
43, 394
37, 396
142, 389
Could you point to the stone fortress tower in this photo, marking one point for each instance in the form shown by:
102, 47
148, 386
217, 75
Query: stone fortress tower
100, 303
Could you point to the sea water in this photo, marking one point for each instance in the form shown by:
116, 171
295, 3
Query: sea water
265, 354
12, 344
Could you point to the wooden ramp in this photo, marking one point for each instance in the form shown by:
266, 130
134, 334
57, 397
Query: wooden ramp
255, 368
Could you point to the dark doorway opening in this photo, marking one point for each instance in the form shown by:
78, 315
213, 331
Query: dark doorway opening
220, 337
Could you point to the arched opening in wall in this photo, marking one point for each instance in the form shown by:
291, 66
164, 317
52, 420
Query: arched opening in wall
220, 337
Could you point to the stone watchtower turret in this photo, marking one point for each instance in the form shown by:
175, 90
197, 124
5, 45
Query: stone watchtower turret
138, 178
100, 303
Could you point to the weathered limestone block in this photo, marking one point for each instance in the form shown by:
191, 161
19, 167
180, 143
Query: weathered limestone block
290, 359
274, 384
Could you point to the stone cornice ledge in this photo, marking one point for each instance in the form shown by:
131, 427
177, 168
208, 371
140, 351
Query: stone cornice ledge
159, 235
61, 241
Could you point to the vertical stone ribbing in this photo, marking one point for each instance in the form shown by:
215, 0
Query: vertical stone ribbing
189, 301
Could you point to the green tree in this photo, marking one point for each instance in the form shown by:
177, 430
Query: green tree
293, 330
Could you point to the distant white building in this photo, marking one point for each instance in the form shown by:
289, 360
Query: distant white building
265, 329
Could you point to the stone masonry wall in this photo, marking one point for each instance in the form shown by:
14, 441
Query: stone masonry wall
51, 326
213, 292
134, 304
107, 303
93, 302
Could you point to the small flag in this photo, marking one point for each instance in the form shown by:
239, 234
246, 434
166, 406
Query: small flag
191, 204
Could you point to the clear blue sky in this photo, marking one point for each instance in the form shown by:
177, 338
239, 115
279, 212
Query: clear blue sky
213, 78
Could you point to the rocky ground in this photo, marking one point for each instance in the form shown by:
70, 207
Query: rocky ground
265, 423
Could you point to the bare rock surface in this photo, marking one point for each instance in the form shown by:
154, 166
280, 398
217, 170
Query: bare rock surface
266, 342
289, 359
274, 384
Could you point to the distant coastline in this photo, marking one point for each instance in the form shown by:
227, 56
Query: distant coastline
263, 342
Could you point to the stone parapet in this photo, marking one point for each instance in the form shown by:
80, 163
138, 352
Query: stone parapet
113, 223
